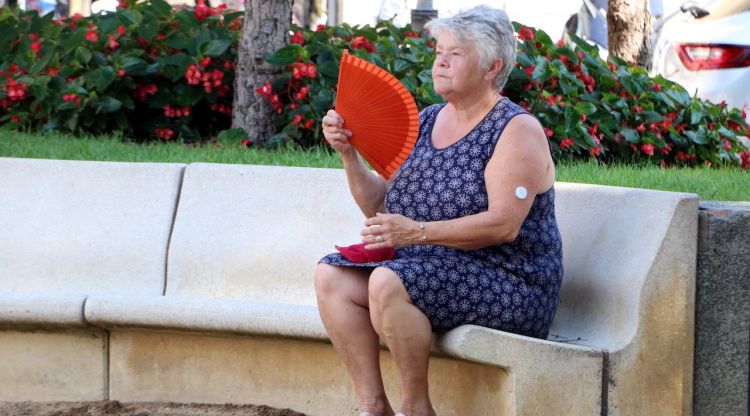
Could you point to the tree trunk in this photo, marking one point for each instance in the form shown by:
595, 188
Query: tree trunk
629, 26
267, 23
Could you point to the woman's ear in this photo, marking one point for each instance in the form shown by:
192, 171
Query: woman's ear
494, 68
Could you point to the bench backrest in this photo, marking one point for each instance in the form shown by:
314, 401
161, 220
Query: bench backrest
612, 238
85, 227
257, 232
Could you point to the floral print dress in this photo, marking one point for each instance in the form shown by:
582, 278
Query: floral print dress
511, 287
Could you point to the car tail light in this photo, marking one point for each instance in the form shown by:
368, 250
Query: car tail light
706, 56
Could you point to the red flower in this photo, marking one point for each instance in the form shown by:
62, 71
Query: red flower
361, 42
648, 149
205, 62
121, 30
121, 72
15, 91
113, 43
36, 45
92, 35
612, 66
302, 69
52, 71
529, 70
411, 35
560, 43
72, 98
264, 90
525, 33
308, 124
193, 74
320, 28
302, 93
123, 4
745, 156
143, 91
566, 144
583, 117
548, 132
594, 151
202, 11
657, 87
666, 149
297, 119
641, 128
16, 118
165, 133
228, 65
297, 38
246, 143
727, 145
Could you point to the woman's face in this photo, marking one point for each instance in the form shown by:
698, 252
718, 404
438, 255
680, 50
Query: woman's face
456, 69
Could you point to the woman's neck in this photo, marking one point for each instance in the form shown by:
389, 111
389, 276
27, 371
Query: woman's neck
470, 108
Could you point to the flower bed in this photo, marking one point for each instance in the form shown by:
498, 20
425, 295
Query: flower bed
156, 72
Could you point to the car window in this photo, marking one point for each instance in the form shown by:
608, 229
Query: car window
724, 8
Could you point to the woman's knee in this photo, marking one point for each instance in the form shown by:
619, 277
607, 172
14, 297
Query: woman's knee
327, 279
385, 287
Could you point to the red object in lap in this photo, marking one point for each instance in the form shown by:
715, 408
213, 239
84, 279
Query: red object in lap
357, 253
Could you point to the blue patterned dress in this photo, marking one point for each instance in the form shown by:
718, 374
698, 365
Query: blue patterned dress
511, 286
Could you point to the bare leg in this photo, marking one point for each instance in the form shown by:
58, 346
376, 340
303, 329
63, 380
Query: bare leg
408, 333
343, 306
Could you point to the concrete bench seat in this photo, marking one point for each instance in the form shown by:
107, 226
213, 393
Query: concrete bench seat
69, 230
236, 320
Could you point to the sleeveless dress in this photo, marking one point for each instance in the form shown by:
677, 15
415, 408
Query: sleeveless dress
511, 287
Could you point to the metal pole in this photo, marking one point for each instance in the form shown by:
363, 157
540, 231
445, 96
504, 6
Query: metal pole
422, 14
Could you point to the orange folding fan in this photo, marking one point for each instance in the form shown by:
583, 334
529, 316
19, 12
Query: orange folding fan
379, 111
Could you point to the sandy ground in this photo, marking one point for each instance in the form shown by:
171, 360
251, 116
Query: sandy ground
115, 408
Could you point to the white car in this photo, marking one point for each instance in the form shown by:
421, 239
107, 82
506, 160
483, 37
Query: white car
706, 49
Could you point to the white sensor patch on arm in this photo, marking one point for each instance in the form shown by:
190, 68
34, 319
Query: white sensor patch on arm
521, 193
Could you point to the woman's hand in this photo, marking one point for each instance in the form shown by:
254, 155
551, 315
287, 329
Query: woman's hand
390, 230
335, 134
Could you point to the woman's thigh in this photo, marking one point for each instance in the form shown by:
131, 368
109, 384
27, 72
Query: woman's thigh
347, 282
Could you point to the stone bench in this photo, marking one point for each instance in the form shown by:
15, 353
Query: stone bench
231, 314
69, 230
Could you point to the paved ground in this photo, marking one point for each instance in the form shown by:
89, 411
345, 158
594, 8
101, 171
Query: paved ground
115, 408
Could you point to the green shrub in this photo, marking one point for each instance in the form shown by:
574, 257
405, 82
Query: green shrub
609, 111
148, 69
157, 72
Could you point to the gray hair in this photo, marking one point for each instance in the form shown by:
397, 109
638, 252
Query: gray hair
489, 30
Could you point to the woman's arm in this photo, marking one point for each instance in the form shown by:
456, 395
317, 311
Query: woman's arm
520, 159
367, 189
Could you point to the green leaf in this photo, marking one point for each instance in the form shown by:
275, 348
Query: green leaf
100, 78
232, 135
131, 16
109, 104
630, 135
322, 101
400, 65
134, 66
696, 114
82, 55
284, 56
585, 108
161, 7
216, 47
149, 28
99, 58
44, 61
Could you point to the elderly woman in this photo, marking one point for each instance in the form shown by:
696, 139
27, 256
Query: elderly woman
470, 214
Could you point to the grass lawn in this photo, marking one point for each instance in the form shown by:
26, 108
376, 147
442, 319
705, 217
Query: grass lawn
728, 184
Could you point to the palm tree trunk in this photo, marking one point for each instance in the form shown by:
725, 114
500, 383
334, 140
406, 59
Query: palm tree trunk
629, 26
267, 23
